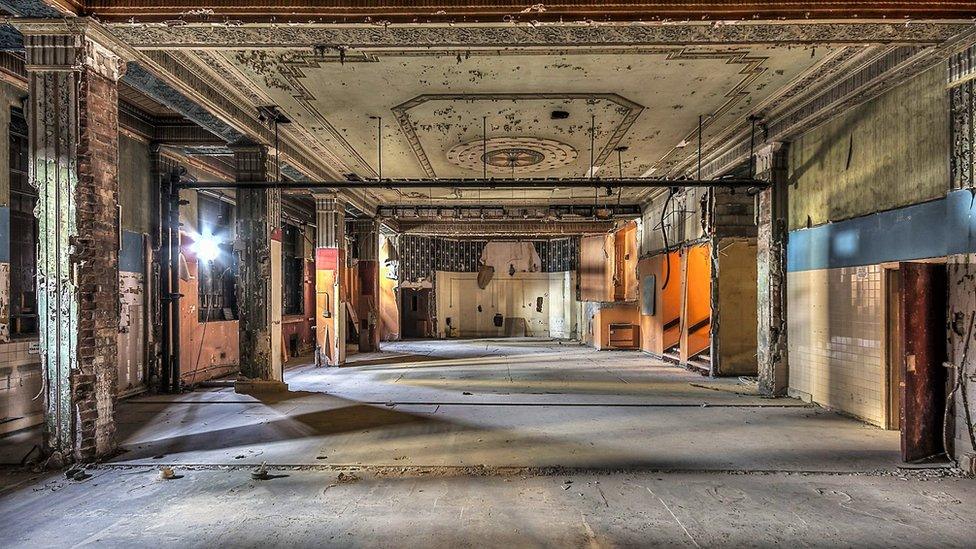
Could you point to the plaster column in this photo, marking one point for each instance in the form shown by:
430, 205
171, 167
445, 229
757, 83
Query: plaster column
367, 238
772, 164
330, 312
258, 245
73, 124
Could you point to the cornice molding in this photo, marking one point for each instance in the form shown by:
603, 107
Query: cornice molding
471, 36
852, 88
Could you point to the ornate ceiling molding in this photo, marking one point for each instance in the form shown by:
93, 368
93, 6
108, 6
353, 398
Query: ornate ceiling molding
815, 80
238, 35
852, 88
629, 109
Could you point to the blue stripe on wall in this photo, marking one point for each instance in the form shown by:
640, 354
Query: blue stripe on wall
4, 234
131, 258
931, 229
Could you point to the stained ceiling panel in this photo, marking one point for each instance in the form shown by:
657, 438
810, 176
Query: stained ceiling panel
537, 104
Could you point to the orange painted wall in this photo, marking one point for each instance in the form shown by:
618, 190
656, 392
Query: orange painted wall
303, 324
208, 350
616, 313
654, 338
596, 268
329, 264
625, 263
697, 269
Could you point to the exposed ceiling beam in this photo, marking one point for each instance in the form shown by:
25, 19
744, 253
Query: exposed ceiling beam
521, 183
497, 229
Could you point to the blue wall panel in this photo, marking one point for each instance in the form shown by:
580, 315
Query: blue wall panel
931, 229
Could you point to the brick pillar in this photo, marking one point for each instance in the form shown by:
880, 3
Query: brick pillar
367, 237
6, 100
258, 245
772, 164
73, 119
330, 312
732, 234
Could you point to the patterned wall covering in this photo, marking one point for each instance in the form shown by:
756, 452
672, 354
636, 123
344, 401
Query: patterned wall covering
962, 101
420, 256
557, 255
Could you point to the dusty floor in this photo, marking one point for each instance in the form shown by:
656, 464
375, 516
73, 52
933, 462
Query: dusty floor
493, 443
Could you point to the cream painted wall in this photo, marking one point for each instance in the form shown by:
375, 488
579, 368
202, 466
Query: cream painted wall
836, 342
890, 152
458, 298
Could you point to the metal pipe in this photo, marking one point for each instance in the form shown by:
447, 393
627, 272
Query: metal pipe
165, 311
546, 183
174, 211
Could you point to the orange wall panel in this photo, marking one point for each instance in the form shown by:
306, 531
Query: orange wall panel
617, 313
668, 301
208, 350
697, 288
596, 268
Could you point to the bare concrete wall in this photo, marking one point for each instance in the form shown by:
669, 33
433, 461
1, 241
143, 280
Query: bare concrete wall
887, 153
134, 184
735, 290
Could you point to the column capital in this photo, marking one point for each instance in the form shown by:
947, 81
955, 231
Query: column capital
65, 45
766, 158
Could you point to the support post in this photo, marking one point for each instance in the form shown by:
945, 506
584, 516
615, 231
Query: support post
73, 125
258, 245
772, 207
330, 312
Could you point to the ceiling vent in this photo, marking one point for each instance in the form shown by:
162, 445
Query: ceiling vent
559, 115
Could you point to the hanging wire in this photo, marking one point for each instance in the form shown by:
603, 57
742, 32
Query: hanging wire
620, 171
596, 191
379, 152
484, 161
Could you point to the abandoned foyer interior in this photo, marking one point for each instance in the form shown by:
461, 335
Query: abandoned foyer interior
473, 244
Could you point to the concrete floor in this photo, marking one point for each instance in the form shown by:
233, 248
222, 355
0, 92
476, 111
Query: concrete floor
516, 403
497, 443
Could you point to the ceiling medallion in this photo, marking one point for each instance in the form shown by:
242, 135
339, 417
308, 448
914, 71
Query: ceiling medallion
514, 157
522, 154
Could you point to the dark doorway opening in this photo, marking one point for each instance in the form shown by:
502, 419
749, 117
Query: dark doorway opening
415, 313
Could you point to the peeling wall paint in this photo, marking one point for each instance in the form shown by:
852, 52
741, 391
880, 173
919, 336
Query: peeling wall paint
131, 332
962, 310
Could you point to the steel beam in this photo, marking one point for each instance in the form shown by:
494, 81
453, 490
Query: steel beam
536, 183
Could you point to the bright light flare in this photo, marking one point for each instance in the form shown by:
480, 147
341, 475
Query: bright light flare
206, 248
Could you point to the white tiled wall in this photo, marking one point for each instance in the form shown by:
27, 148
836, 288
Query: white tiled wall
836, 339
20, 382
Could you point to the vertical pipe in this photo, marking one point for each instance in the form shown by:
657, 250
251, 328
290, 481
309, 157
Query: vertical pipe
174, 257
165, 285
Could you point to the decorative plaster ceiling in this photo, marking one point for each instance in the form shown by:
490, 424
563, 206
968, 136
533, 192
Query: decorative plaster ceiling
436, 106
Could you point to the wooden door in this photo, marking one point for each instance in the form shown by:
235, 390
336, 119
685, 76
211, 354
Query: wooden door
923, 328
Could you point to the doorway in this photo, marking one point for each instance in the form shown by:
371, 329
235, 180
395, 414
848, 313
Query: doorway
415, 318
915, 388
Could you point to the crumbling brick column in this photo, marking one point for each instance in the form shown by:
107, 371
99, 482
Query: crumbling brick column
772, 164
330, 313
732, 233
366, 257
258, 245
73, 126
